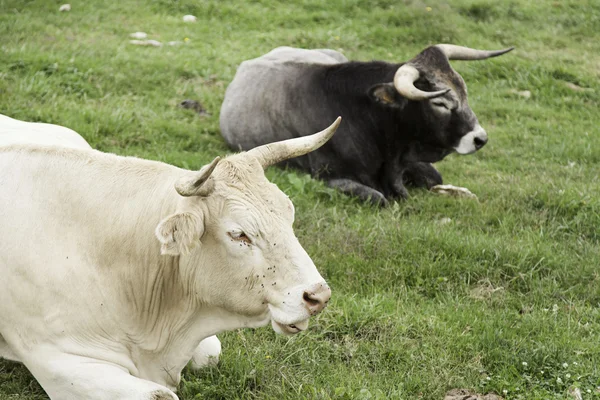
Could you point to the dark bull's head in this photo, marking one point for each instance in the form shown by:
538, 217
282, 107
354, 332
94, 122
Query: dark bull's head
441, 99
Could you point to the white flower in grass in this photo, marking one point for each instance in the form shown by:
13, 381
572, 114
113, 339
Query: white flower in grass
558, 380
505, 391
524, 363
568, 376
565, 365
487, 378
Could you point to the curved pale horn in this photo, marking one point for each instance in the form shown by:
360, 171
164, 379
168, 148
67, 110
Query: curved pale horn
404, 82
198, 183
454, 52
273, 153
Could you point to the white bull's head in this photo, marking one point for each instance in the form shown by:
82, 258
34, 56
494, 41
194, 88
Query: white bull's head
233, 234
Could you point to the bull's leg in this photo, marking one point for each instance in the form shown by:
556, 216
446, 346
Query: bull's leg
71, 377
421, 175
207, 353
393, 181
359, 190
6, 352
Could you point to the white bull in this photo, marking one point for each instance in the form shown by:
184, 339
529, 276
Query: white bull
13, 131
97, 308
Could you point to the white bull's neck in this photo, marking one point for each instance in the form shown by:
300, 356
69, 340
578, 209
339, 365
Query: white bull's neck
156, 312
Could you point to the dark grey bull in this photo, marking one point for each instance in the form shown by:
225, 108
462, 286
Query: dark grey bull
397, 118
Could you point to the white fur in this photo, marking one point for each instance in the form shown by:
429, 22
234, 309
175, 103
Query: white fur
87, 301
207, 353
13, 131
467, 142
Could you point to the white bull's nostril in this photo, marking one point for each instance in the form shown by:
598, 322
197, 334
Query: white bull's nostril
316, 298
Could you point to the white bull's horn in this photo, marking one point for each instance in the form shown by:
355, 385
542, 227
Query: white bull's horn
198, 184
454, 52
273, 153
404, 82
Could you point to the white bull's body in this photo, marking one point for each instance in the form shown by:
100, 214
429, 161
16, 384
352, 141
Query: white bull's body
96, 307
82, 274
13, 131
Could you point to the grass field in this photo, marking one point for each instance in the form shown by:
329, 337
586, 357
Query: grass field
504, 298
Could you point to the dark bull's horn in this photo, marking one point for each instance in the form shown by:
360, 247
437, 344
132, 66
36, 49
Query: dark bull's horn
407, 74
273, 153
454, 52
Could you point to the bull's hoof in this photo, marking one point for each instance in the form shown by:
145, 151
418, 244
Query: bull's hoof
421, 175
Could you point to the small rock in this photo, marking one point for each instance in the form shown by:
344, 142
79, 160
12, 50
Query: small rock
444, 221
523, 93
194, 105
174, 43
149, 42
455, 191
65, 7
138, 35
578, 88
189, 18
575, 393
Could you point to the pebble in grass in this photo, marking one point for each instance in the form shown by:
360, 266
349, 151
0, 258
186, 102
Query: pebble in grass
149, 42
138, 35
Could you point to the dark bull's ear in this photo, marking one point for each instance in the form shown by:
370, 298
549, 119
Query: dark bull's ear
387, 95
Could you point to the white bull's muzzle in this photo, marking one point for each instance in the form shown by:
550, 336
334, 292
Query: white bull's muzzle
290, 314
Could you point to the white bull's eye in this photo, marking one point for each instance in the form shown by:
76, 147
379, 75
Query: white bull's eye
239, 236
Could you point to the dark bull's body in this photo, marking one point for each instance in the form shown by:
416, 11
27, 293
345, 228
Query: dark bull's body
398, 118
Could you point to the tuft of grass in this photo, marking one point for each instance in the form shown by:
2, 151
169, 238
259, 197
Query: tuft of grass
499, 298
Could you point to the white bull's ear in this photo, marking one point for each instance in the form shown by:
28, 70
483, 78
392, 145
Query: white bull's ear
179, 233
198, 184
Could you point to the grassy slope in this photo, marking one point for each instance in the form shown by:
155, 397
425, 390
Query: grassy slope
419, 307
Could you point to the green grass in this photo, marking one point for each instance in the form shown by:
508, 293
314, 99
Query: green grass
499, 299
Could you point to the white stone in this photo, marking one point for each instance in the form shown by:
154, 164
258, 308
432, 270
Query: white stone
149, 42
189, 18
65, 7
139, 35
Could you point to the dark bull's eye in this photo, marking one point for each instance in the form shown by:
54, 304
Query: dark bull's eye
239, 236
439, 104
